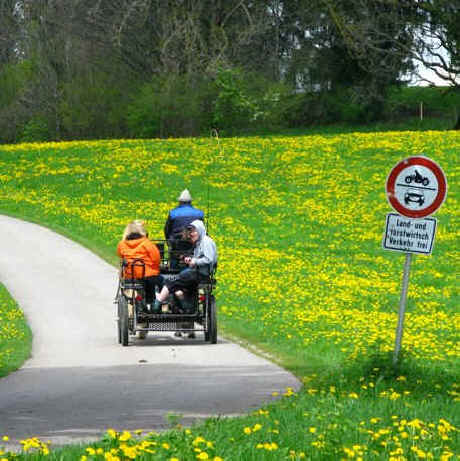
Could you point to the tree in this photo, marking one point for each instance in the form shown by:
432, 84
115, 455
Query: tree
438, 43
374, 38
429, 35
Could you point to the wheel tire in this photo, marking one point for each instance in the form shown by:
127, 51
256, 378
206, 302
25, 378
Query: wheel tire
206, 321
123, 322
408, 179
118, 318
212, 320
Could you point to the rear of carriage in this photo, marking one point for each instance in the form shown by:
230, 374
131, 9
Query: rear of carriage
200, 309
199, 314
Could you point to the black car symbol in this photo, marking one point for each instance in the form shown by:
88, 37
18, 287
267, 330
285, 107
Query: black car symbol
414, 197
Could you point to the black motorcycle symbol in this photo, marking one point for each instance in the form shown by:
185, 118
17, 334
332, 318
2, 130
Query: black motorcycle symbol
417, 178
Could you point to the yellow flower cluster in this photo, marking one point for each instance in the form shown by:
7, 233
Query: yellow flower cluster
12, 327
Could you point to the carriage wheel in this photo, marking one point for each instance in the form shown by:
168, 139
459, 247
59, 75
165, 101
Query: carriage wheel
206, 332
123, 320
206, 323
118, 319
211, 330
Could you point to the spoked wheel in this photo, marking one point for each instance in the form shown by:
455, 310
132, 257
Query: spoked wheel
211, 321
123, 320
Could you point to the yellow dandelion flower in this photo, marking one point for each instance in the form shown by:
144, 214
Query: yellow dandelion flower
126, 435
112, 433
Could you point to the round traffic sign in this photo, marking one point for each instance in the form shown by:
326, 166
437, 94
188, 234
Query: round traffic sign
416, 187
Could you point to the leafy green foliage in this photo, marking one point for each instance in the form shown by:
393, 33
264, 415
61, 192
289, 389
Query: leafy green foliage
166, 107
437, 101
36, 130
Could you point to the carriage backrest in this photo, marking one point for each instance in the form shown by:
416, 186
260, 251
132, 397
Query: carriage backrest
134, 269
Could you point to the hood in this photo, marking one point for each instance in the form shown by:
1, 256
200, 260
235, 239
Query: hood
199, 226
134, 243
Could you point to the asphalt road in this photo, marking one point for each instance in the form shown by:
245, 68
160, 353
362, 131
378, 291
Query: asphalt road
79, 381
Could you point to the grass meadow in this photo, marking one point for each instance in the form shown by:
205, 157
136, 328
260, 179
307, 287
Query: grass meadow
15, 335
298, 221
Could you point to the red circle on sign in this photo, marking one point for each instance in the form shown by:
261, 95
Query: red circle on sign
438, 173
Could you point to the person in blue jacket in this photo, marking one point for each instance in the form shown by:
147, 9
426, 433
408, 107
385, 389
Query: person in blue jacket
178, 220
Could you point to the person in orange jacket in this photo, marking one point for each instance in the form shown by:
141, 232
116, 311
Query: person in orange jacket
136, 245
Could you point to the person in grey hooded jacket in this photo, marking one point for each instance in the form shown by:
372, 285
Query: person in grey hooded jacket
200, 265
204, 251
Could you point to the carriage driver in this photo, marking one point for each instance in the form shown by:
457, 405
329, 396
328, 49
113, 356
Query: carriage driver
178, 219
200, 265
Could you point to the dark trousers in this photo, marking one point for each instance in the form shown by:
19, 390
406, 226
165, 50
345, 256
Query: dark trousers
186, 279
150, 284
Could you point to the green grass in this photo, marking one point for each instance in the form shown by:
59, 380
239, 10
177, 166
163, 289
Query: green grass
15, 334
302, 276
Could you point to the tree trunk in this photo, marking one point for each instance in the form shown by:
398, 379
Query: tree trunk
457, 117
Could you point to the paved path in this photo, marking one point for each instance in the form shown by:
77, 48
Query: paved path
80, 381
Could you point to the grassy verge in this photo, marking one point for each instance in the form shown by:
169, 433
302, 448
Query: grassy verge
298, 221
15, 335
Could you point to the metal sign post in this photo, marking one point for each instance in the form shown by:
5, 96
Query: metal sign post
402, 307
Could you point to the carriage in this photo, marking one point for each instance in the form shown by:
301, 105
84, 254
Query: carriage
195, 314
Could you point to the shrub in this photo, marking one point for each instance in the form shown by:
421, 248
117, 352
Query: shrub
247, 100
437, 101
35, 130
171, 106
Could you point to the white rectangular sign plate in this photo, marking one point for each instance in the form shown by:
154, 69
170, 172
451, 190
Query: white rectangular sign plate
409, 235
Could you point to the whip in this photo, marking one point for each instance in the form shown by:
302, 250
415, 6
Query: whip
215, 136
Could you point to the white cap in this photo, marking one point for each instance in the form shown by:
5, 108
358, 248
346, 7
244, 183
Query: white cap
185, 196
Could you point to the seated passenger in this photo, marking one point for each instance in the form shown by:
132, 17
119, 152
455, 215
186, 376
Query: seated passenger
200, 265
136, 245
